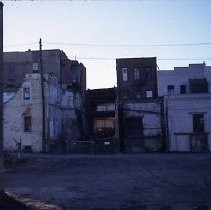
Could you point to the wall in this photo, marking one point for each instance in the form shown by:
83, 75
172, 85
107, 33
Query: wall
15, 108
146, 82
53, 105
70, 124
142, 127
179, 118
180, 76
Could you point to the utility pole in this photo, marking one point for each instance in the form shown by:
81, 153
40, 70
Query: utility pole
43, 100
1, 98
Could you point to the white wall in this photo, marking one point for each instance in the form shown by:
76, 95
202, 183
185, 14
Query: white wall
14, 112
180, 76
180, 111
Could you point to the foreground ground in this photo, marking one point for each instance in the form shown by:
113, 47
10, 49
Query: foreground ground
117, 181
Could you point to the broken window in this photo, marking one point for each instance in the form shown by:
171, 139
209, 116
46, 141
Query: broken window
182, 89
198, 123
27, 124
124, 74
136, 73
170, 89
26, 93
198, 85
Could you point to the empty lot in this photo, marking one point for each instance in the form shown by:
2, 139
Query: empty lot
112, 181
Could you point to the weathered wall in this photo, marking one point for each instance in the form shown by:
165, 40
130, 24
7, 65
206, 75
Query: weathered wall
14, 111
16, 108
70, 124
180, 111
54, 114
142, 127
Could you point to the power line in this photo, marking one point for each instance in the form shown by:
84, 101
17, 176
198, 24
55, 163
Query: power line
130, 45
159, 59
114, 45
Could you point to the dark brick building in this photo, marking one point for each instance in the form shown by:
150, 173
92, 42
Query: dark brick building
140, 109
136, 77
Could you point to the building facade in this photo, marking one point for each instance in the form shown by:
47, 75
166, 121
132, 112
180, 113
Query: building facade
64, 93
136, 78
102, 119
187, 107
23, 114
141, 120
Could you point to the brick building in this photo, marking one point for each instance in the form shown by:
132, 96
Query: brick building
136, 77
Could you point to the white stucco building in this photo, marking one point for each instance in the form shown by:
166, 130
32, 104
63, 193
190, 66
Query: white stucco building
187, 107
23, 114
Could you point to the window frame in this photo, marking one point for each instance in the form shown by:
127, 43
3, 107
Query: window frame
27, 124
136, 73
26, 93
124, 72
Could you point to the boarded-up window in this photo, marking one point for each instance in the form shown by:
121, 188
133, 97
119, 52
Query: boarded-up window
198, 123
124, 74
27, 124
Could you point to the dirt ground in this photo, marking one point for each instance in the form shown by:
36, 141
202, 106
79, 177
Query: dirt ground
113, 181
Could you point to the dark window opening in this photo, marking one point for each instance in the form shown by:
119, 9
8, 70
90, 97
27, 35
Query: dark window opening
126, 94
198, 86
27, 124
170, 89
182, 89
198, 123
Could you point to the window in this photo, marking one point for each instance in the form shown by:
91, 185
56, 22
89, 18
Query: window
136, 73
126, 94
147, 73
26, 93
105, 107
35, 67
198, 85
27, 124
170, 89
149, 93
137, 94
124, 74
182, 89
198, 123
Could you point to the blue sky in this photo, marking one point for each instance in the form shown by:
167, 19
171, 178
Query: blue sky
145, 22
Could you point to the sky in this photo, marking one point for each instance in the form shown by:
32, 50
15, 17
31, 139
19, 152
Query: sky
97, 32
